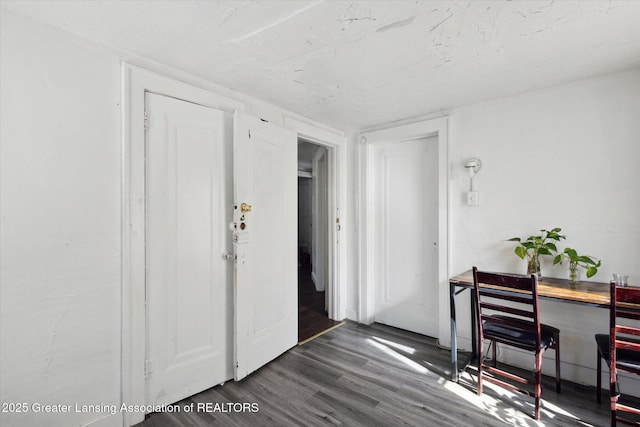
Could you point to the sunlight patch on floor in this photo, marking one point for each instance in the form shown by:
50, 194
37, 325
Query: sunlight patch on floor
513, 408
393, 353
395, 345
509, 407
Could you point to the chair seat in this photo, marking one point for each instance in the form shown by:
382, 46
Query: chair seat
625, 358
520, 336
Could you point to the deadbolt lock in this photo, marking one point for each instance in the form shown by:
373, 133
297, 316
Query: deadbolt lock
244, 208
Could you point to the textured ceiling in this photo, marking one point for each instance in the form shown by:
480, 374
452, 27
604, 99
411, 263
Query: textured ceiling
352, 65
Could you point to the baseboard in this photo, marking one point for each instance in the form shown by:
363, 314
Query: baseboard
115, 420
351, 314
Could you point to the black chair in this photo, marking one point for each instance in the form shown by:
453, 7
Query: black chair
622, 351
516, 324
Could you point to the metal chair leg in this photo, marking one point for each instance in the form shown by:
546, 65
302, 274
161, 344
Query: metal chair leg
557, 347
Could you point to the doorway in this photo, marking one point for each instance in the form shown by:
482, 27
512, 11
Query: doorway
314, 266
413, 153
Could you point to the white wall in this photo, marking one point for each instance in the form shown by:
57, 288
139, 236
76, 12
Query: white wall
562, 157
60, 206
60, 223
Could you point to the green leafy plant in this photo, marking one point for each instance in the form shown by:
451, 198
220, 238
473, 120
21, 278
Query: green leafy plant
587, 262
542, 244
534, 246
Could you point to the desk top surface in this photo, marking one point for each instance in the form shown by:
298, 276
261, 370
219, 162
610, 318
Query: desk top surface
592, 293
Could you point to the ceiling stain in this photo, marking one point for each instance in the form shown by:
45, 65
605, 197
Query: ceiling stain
397, 24
441, 22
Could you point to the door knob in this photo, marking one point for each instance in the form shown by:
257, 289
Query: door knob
244, 208
229, 256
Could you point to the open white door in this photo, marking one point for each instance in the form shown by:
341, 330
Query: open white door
265, 242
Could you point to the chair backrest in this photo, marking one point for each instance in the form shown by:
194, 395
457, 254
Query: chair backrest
623, 300
621, 337
492, 290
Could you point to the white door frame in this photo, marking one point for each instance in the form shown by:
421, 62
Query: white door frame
136, 82
337, 196
367, 142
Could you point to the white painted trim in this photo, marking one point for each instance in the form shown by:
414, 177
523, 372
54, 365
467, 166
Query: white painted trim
106, 421
366, 144
337, 197
314, 133
135, 82
125, 262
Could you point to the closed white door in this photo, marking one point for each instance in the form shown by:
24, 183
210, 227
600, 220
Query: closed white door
188, 283
406, 237
265, 240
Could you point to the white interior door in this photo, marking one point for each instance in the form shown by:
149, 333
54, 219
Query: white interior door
406, 238
265, 241
188, 282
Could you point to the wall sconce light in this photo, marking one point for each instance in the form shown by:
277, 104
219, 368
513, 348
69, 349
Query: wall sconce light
472, 165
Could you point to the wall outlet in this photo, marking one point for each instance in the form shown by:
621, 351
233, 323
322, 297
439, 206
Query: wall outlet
473, 198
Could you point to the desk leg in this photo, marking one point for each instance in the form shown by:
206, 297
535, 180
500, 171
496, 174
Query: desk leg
454, 335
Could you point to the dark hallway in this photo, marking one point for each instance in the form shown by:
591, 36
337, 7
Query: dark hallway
312, 317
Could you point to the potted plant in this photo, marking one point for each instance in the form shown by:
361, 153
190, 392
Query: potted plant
534, 246
587, 262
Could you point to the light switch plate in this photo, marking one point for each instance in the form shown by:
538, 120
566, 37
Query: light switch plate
473, 198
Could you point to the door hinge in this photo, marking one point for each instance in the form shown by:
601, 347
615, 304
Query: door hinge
148, 367
148, 120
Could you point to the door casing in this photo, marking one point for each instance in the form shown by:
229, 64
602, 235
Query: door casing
336, 154
366, 181
136, 82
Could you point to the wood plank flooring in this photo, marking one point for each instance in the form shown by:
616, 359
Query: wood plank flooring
376, 375
312, 317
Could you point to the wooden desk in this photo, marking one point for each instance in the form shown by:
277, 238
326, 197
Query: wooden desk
584, 293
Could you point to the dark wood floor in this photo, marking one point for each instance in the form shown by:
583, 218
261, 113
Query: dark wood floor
312, 317
358, 375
